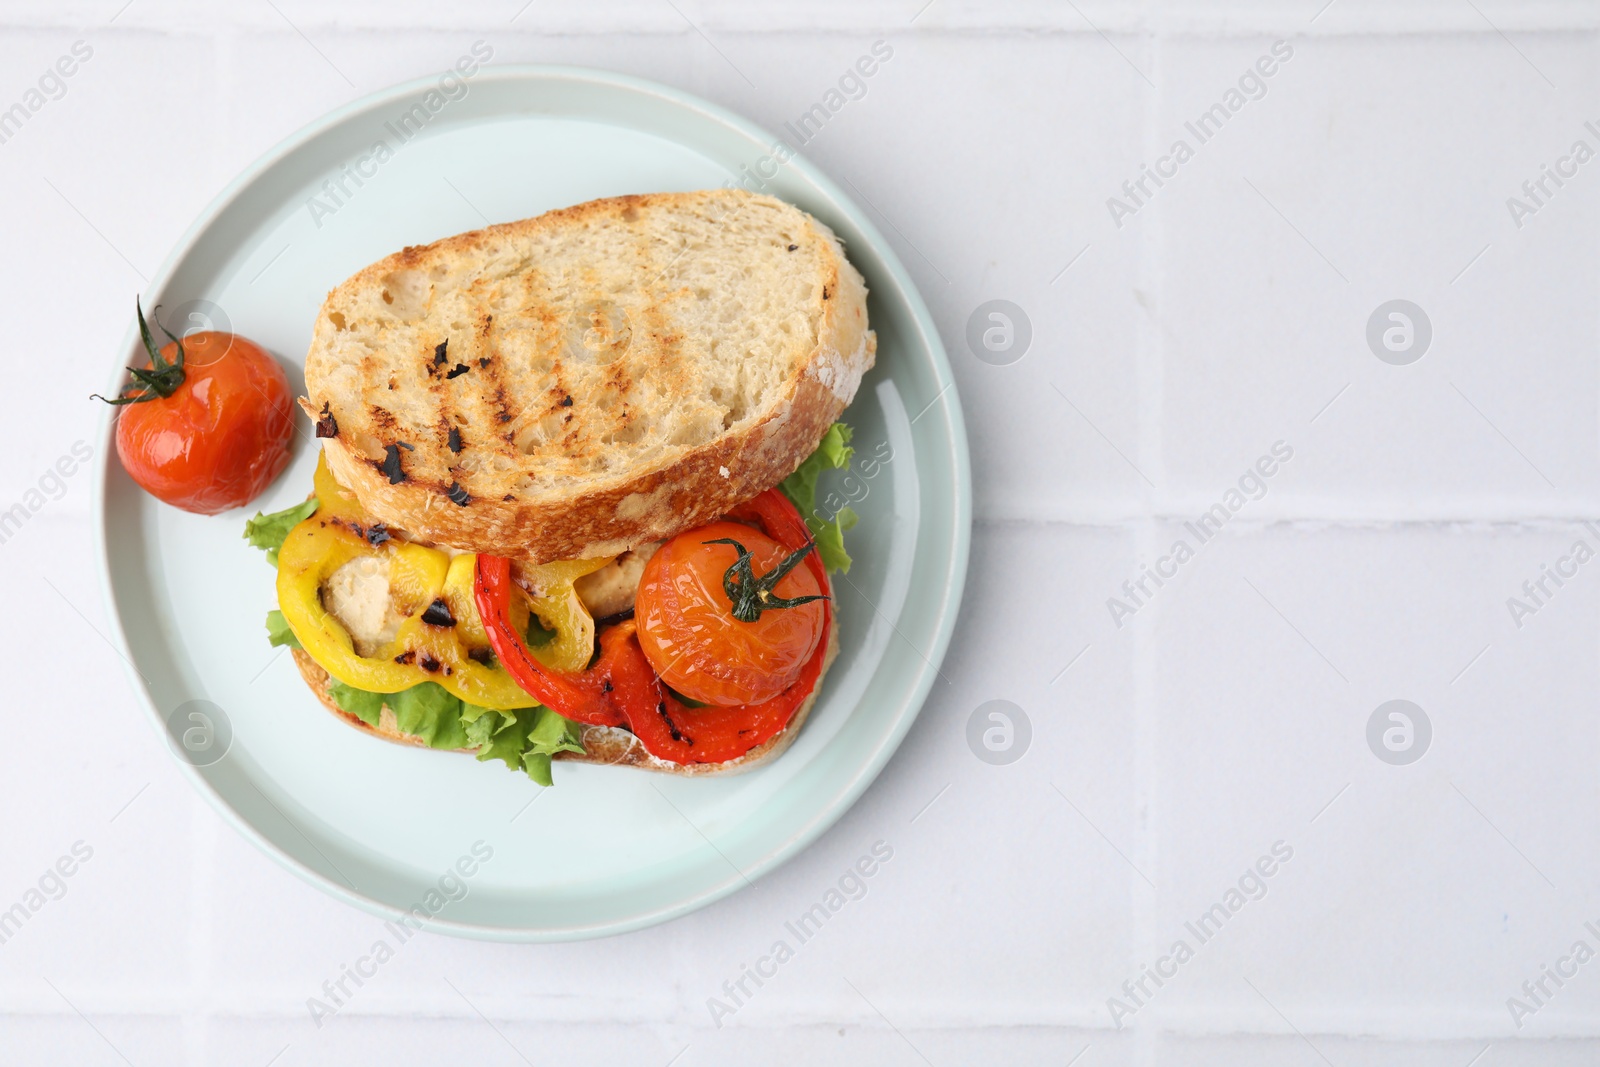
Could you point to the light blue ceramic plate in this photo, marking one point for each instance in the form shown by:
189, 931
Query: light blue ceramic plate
379, 825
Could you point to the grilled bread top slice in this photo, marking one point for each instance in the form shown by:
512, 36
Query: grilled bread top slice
582, 382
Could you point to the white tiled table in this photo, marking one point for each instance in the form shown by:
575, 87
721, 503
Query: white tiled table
1227, 714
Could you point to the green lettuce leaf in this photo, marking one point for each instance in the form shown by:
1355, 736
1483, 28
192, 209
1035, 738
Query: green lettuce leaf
358, 702
551, 733
431, 712
278, 632
268, 531
537, 766
523, 739
833, 453
496, 736
830, 539
471, 713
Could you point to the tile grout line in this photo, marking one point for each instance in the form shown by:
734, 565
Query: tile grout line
1233, 21
1152, 269
1132, 519
1152, 357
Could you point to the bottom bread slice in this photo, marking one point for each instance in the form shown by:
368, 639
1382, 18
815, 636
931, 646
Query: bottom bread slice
602, 744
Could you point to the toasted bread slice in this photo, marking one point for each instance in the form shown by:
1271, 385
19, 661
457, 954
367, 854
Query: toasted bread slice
579, 383
602, 744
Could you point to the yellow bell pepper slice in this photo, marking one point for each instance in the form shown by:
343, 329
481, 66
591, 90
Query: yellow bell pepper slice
555, 600
448, 646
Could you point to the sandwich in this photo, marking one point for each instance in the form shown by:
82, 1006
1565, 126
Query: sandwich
565, 506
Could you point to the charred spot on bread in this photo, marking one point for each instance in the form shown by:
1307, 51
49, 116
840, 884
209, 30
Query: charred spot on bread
441, 352
455, 440
458, 496
391, 465
483, 361
566, 403
793, 247
438, 614
327, 425
458, 371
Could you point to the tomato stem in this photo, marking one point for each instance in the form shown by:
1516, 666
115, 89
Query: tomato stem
751, 595
162, 379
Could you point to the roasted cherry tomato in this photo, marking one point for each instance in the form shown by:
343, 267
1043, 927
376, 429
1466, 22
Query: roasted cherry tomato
720, 623
622, 689
205, 424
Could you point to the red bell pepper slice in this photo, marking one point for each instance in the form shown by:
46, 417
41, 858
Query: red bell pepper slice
622, 689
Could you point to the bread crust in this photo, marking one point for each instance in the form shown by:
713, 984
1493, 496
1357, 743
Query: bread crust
610, 512
602, 744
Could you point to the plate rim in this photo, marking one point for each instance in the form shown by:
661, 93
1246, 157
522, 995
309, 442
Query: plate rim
949, 603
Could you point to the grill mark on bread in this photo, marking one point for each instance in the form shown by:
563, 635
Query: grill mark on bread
436, 388
391, 465
492, 385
